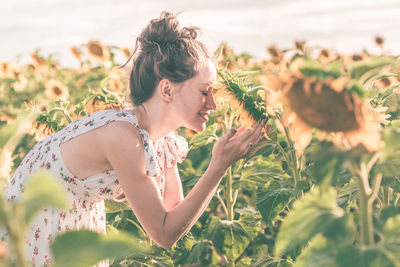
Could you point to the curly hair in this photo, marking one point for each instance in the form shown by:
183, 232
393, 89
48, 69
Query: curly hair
164, 50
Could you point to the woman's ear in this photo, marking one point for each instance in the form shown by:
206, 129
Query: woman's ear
165, 88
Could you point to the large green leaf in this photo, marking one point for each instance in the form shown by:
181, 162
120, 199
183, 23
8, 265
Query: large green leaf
327, 165
325, 252
272, 199
85, 248
43, 191
319, 253
205, 137
193, 256
317, 212
114, 206
262, 171
229, 237
358, 69
389, 163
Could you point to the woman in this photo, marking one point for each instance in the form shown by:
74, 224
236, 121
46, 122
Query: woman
170, 86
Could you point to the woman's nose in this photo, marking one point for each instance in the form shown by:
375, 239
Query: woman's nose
210, 104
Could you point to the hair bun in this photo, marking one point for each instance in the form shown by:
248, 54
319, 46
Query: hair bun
164, 31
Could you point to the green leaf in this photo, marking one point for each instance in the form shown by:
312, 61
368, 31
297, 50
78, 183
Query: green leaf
43, 191
327, 164
228, 237
313, 68
272, 200
193, 256
391, 137
85, 248
251, 223
319, 253
385, 94
317, 212
388, 212
358, 69
115, 206
262, 171
389, 162
205, 137
391, 231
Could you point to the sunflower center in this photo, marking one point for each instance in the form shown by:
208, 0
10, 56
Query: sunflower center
57, 90
96, 50
326, 110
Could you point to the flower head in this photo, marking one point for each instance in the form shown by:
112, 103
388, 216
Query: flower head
98, 51
54, 89
328, 107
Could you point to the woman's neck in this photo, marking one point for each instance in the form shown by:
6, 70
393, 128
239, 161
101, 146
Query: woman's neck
153, 119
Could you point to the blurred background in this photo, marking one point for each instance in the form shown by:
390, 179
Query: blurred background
53, 26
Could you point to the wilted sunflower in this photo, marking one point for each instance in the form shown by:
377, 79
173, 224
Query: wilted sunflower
95, 104
54, 89
328, 107
98, 51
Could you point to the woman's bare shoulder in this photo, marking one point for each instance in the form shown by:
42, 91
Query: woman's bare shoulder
119, 133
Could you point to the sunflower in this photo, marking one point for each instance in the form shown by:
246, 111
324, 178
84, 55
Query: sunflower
7, 118
275, 54
325, 55
55, 90
385, 82
115, 83
77, 54
300, 46
379, 41
37, 60
40, 130
327, 106
95, 104
8, 70
98, 51
127, 52
20, 84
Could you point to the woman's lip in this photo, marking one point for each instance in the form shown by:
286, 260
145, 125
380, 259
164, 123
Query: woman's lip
203, 116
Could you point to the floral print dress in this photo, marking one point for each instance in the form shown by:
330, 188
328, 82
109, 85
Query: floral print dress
85, 195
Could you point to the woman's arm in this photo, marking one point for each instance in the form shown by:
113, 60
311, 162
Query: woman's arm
173, 192
123, 148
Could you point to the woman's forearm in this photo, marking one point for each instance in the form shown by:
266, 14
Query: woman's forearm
181, 218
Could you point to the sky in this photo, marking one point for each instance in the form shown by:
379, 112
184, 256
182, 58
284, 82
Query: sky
53, 26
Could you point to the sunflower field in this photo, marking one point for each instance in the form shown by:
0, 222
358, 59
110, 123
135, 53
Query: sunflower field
321, 189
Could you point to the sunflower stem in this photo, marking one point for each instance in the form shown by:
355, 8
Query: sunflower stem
293, 156
229, 196
366, 199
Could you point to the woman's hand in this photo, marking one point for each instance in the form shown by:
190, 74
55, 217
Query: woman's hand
234, 145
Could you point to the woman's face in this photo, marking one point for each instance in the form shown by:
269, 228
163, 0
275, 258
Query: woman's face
194, 98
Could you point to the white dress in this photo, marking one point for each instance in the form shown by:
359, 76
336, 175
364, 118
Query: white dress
85, 195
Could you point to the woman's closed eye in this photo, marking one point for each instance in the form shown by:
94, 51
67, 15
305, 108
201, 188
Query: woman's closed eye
205, 93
